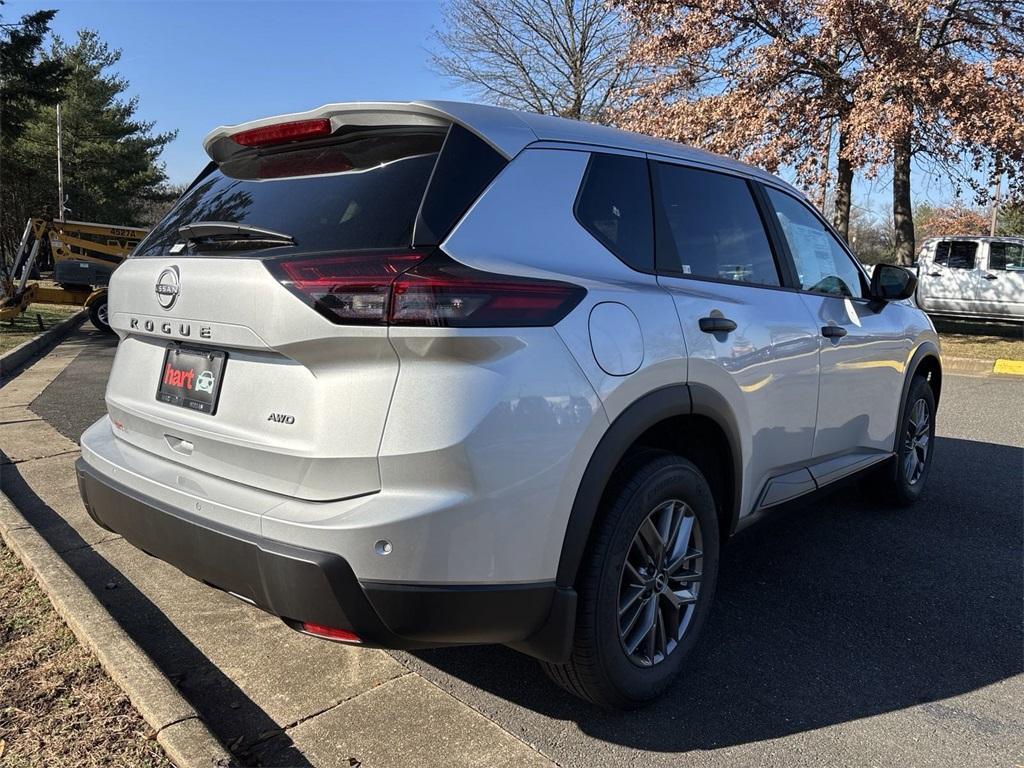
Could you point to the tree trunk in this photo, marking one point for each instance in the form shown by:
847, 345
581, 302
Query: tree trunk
902, 215
844, 187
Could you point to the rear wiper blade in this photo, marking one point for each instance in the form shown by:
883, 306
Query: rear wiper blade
231, 230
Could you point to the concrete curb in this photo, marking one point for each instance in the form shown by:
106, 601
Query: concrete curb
975, 367
969, 365
13, 361
178, 728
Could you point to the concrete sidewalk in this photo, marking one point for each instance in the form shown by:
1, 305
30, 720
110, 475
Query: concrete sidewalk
272, 696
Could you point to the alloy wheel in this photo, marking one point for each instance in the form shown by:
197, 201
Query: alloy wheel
917, 442
660, 582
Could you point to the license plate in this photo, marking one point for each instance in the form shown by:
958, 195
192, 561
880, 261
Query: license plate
191, 378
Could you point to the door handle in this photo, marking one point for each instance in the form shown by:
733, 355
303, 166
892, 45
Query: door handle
934, 274
716, 324
833, 331
991, 277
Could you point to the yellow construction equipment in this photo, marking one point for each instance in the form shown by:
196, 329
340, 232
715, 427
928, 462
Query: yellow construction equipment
83, 254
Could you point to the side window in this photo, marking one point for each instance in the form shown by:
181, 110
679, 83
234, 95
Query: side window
821, 263
614, 205
956, 254
1006, 256
708, 226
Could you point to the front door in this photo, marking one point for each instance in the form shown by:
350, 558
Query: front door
749, 341
1001, 283
863, 346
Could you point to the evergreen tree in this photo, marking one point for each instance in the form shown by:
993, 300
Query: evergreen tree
112, 171
26, 81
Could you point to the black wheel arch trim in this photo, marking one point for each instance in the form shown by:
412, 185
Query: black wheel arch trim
644, 413
710, 403
924, 351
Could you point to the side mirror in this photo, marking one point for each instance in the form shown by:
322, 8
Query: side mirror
892, 283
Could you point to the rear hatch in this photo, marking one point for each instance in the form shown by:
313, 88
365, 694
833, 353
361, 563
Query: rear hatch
240, 354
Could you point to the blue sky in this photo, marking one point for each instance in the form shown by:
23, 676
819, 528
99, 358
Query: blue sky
196, 65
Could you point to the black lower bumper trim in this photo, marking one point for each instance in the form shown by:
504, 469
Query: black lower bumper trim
305, 585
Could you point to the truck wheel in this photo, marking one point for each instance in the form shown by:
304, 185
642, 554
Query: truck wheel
646, 585
98, 315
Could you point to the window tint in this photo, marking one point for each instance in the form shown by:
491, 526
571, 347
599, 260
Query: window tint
956, 254
360, 192
467, 164
821, 263
1008, 256
708, 226
614, 205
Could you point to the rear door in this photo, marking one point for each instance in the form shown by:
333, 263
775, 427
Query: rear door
950, 278
267, 362
1001, 284
864, 344
749, 340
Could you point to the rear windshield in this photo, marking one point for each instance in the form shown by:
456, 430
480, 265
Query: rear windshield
361, 192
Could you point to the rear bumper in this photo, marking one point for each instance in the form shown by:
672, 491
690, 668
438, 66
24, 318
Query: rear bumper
306, 585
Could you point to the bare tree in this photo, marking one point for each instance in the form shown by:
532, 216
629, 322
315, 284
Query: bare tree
557, 57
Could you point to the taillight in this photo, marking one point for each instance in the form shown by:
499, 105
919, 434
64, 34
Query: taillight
349, 289
412, 289
279, 133
442, 292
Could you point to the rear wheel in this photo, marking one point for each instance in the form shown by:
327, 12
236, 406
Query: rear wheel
646, 585
98, 315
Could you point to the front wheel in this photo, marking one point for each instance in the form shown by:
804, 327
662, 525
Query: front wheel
646, 586
915, 444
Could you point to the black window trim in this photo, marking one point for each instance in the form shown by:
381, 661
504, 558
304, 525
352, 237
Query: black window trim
975, 257
783, 245
659, 258
610, 246
988, 254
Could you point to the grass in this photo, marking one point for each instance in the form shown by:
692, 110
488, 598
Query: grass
981, 341
26, 325
57, 706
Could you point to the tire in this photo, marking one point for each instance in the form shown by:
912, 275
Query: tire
602, 669
98, 315
915, 444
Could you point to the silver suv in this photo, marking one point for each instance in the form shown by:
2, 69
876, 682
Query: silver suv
423, 374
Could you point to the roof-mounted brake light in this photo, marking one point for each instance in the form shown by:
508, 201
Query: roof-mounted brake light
281, 133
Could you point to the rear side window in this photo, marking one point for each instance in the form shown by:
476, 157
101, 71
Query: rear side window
956, 254
1006, 256
361, 190
466, 166
614, 205
708, 226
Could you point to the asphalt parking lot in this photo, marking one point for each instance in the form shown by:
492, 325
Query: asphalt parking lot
844, 633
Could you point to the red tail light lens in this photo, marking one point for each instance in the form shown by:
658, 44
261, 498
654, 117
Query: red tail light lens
412, 289
280, 133
349, 289
331, 633
442, 292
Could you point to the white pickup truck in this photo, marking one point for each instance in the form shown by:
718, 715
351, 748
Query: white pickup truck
972, 277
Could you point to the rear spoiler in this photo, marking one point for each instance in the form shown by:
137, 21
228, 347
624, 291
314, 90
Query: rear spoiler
505, 131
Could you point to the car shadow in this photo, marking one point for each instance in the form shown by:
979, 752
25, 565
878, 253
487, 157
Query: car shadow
835, 610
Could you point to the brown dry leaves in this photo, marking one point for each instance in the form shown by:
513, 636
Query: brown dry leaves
765, 79
57, 707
